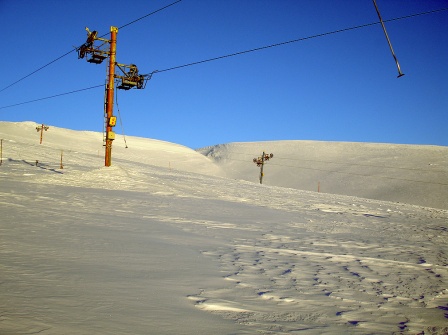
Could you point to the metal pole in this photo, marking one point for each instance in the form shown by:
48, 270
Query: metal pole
1, 151
261, 168
110, 95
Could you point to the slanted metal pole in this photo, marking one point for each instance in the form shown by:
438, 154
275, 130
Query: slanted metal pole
110, 95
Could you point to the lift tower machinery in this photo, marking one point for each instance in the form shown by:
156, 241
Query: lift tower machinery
95, 50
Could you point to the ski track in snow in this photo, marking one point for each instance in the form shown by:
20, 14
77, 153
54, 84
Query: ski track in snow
134, 248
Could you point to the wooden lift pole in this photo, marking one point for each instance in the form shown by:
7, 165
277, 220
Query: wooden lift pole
261, 168
130, 78
41, 129
260, 161
110, 120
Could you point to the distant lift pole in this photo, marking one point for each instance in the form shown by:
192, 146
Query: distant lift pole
260, 163
130, 79
41, 129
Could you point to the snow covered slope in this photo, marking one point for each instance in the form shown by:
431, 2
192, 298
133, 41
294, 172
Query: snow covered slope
414, 174
157, 244
84, 149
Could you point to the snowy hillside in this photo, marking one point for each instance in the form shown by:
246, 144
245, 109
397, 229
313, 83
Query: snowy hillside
82, 149
163, 243
401, 173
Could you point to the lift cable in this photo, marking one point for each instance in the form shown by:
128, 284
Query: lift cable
42, 67
53, 96
145, 16
302, 39
75, 49
251, 50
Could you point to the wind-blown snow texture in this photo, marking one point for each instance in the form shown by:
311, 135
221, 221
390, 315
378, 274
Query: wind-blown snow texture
163, 243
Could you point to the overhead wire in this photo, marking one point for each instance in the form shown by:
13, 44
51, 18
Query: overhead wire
75, 49
300, 40
41, 68
52, 96
145, 16
254, 49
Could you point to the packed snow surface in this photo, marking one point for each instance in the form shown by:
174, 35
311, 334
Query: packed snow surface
169, 241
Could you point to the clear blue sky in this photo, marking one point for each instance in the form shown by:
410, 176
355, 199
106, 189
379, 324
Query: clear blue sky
340, 87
